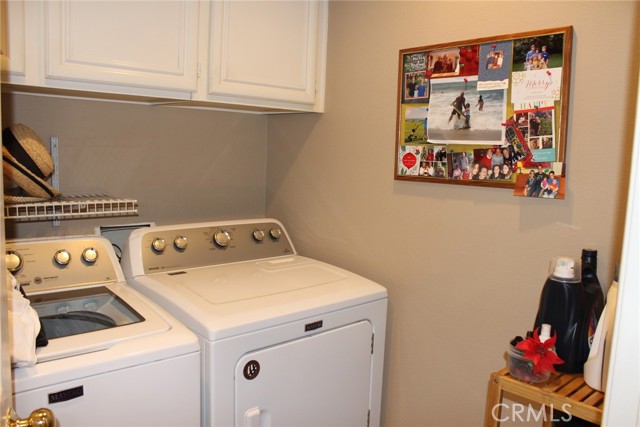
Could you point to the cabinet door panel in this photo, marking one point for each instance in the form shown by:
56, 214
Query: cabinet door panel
264, 49
150, 44
12, 41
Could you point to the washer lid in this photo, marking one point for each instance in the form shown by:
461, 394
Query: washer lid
87, 319
225, 300
81, 311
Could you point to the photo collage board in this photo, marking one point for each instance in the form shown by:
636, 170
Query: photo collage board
487, 112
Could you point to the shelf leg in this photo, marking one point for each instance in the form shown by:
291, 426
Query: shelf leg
494, 399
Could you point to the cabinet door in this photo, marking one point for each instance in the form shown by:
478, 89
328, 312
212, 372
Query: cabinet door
12, 41
148, 44
267, 50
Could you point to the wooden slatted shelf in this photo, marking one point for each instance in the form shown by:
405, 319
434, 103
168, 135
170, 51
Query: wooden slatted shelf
566, 392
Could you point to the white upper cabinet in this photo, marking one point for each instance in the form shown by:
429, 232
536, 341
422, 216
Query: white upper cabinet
261, 55
12, 49
144, 44
268, 52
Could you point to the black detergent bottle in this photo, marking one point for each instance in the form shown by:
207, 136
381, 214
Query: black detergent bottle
594, 297
562, 305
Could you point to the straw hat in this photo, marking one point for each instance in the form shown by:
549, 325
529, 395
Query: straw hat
26, 162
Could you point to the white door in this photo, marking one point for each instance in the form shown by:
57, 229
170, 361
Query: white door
622, 399
7, 415
5, 368
322, 380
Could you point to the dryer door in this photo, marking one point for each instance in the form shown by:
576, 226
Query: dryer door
322, 380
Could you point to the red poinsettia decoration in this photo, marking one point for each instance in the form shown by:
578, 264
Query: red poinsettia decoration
540, 353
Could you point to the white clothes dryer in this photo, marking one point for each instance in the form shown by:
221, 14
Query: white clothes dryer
286, 340
114, 358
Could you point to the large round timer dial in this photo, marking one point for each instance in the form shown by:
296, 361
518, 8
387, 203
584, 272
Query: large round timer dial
13, 260
222, 238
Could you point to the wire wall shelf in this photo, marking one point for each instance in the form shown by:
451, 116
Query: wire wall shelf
71, 207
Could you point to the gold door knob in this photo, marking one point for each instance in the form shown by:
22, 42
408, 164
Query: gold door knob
42, 417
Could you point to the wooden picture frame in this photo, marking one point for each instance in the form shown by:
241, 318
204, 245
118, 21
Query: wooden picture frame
505, 98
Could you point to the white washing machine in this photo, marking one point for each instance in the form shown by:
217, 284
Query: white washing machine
286, 340
114, 358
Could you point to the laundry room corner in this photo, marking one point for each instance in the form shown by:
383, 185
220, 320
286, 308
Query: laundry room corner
464, 266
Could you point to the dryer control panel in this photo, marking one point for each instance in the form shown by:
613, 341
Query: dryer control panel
175, 248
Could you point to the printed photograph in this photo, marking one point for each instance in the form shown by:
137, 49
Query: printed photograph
433, 169
461, 164
540, 135
493, 163
459, 113
415, 79
416, 87
444, 63
540, 182
495, 65
540, 52
414, 123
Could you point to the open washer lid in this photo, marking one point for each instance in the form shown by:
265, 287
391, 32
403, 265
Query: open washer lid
78, 290
88, 319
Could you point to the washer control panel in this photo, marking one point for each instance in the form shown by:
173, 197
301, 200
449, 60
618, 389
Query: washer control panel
166, 248
60, 263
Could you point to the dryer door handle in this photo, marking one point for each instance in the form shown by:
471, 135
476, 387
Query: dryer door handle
254, 418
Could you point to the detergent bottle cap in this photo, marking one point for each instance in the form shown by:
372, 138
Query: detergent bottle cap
565, 269
545, 332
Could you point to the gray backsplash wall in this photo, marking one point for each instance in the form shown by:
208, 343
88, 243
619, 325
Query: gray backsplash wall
182, 165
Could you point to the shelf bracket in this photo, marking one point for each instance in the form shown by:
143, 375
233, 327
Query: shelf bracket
55, 177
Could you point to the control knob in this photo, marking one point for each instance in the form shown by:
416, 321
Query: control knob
180, 243
62, 257
13, 261
222, 238
275, 233
258, 235
90, 255
158, 244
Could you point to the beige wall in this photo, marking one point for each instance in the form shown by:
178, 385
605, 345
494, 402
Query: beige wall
181, 165
464, 266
